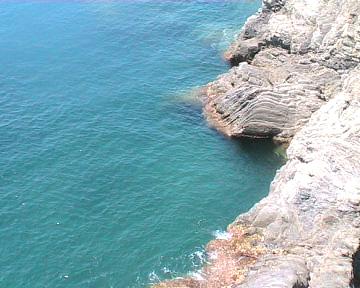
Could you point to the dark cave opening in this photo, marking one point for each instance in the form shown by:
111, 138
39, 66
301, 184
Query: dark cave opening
355, 281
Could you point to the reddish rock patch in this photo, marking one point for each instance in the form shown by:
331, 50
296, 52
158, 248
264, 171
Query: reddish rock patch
229, 260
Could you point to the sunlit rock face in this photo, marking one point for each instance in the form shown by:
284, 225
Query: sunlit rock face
289, 60
312, 211
296, 76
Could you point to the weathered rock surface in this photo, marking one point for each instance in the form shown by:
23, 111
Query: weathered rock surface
291, 57
312, 212
307, 231
297, 78
274, 96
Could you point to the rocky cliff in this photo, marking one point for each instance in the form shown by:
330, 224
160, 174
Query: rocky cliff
290, 60
295, 78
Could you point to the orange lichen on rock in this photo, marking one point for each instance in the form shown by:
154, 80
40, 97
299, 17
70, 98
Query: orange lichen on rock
229, 260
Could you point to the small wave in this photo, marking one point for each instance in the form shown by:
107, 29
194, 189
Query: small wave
166, 270
198, 257
222, 235
153, 277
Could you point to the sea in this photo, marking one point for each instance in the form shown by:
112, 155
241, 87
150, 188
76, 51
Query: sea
110, 176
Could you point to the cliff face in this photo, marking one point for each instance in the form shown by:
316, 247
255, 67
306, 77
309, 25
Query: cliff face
291, 57
297, 77
312, 212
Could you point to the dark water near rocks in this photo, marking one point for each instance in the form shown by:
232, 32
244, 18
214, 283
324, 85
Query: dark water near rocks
109, 175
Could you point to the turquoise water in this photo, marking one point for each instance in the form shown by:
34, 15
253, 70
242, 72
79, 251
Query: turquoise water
109, 175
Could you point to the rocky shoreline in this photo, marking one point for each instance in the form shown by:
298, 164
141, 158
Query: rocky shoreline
295, 79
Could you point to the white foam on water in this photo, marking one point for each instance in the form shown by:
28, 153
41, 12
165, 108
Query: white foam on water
222, 235
198, 256
166, 270
153, 277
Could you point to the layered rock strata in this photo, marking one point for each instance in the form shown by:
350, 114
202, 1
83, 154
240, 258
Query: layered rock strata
290, 58
312, 213
307, 231
297, 77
